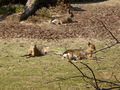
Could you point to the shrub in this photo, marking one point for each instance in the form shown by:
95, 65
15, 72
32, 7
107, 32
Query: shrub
44, 12
19, 8
8, 9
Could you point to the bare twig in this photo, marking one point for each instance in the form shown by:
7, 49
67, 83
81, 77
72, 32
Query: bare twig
106, 47
77, 68
83, 75
96, 84
117, 41
95, 79
116, 79
90, 78
116, 88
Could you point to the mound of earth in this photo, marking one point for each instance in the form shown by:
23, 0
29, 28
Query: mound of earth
87, 25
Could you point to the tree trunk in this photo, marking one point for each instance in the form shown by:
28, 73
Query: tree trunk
33, 5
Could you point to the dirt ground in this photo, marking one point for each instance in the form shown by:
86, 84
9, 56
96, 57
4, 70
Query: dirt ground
87, 25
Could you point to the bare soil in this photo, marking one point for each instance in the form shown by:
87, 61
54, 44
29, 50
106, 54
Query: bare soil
86, 25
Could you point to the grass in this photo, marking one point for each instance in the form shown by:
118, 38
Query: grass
21, 73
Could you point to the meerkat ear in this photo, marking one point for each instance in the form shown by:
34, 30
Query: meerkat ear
35, 45
89, 43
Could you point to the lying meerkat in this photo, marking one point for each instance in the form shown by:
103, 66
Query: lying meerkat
64, 19
35, 51
78, 54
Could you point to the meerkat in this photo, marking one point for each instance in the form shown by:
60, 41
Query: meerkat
90, 50
64, 19
78, 54
37, 51
74, 54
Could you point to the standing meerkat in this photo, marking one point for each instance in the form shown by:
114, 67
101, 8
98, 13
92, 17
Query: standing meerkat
90, 50
64, 19
78, 54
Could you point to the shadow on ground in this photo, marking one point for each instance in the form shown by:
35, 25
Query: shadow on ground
77, 9
86, 1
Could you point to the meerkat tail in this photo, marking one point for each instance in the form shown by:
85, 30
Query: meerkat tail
58, 53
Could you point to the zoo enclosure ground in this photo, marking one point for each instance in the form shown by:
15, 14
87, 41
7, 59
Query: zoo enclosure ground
87, 26
18, 73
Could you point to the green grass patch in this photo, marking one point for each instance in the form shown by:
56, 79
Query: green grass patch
50, 72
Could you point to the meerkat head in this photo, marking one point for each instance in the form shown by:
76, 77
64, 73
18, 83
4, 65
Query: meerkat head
71, 14
33, 46
92, 46
90, 50
45, 49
